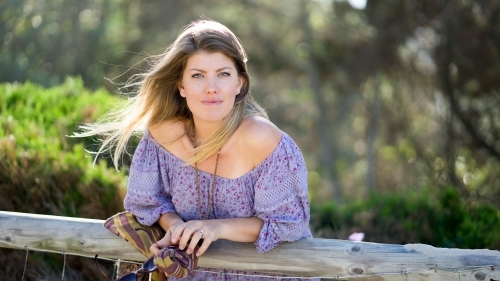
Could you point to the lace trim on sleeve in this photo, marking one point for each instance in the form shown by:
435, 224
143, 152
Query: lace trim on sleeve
281, 198
148, 190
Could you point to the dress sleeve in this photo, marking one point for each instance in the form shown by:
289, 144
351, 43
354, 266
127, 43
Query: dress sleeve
281, 198
148, 193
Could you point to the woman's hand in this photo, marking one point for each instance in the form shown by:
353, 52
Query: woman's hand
188, 234
162, 243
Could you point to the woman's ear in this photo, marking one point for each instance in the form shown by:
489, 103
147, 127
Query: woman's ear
181, 89
241, 81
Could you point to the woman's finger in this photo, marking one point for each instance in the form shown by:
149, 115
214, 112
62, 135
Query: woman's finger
187, 233
160, 244
204, 246
194, 241
154, 249
177, 231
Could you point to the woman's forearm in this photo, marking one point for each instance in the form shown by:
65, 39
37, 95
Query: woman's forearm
188, 234
168, 219
234, 229
240, 229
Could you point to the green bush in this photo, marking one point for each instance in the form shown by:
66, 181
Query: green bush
442, 219
43, 171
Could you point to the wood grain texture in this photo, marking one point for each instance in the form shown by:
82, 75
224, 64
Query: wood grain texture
307, 257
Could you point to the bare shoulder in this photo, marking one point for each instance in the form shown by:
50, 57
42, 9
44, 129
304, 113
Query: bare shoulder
260, 137
167, 132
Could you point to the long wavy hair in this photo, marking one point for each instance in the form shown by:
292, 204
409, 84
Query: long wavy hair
156, 96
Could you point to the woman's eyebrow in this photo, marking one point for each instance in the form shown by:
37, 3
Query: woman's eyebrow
203, 71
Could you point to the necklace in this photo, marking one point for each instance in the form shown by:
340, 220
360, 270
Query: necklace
211, 193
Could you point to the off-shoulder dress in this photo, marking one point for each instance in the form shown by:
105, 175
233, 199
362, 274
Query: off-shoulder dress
274, 191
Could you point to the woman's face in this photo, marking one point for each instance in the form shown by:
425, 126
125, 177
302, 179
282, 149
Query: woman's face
210, 84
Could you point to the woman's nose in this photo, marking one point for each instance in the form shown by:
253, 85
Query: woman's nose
211, 85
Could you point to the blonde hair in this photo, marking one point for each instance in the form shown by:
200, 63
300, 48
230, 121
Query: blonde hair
158, 99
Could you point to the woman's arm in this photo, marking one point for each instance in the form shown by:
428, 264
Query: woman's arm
188, 234
167, 220
240, 229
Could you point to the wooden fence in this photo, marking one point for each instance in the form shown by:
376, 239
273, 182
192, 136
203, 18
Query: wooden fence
326, 258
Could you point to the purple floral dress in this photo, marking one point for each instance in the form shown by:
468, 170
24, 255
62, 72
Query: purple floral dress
274, 191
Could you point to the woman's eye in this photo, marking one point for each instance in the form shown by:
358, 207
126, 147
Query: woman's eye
225, 74
197, 75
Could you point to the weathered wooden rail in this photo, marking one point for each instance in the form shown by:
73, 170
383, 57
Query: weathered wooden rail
315, 257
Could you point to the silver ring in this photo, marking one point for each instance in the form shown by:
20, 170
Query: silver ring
200, 231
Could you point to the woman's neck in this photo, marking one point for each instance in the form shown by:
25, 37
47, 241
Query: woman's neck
203, 130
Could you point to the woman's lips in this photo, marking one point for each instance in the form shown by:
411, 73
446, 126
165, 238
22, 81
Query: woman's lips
212, 102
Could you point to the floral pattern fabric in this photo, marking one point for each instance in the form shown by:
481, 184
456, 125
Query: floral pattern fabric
274, 191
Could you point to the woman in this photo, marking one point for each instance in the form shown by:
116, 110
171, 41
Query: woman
210, 164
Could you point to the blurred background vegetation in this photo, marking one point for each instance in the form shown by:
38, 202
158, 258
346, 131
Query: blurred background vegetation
395, 105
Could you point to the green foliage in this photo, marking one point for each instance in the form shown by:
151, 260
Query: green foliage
43, 171
387, 98
362, 91
441, 219
39, 117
